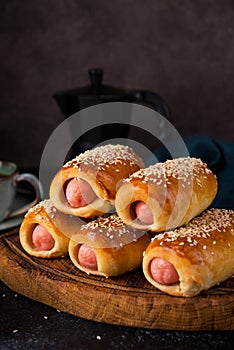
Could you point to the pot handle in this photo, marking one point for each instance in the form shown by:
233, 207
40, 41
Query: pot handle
150, 99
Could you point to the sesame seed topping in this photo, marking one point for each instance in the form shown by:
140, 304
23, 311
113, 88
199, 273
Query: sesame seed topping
110, 226
107, 155
185, 169
200, 228
46, 205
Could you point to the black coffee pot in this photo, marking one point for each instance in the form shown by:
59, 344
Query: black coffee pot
72, 101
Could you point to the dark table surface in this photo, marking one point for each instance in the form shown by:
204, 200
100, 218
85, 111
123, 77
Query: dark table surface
27, 324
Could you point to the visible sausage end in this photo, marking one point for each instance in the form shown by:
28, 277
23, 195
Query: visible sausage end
144, 213
79, 193
42, 239
87, 257
163, 271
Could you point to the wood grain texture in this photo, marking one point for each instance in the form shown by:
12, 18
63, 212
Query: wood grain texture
128, 300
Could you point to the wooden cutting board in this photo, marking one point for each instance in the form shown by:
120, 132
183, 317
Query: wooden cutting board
128, 300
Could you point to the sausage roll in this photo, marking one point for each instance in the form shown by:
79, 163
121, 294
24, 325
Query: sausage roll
166, 195
107, 247
45, 232
194, 257
86, 185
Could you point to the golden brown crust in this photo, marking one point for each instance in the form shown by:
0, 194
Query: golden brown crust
118, 248
50, 218
176, 191
202, 252
103, 168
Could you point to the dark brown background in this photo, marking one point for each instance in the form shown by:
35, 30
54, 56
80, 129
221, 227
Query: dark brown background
183, 50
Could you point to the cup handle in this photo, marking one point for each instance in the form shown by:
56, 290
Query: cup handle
33, 180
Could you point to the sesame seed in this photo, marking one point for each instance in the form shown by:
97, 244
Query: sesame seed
46, 205
105, 156
112, 227
201, 228
185, 169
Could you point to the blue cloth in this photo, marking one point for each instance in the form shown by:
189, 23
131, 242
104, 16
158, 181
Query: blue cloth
219, 156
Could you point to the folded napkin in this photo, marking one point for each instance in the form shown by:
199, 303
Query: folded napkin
219, 156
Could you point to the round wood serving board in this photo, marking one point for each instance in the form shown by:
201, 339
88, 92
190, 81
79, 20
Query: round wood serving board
128, 300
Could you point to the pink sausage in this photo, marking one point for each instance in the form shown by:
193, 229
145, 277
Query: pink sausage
79, 193
42, 239
87, 257
163, 271
144, 213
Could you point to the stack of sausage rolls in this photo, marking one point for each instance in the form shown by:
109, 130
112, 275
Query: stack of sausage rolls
111, 215
79, 219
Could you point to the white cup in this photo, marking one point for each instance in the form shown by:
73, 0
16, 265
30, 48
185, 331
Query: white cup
9, 177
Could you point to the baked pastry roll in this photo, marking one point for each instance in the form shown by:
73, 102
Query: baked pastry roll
107, 247
166, 195
194, 257
45, 232
86, 186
